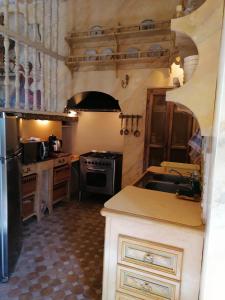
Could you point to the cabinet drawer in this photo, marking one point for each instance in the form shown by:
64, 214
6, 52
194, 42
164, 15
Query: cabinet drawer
120, 296
146, 286
153, 257
60, 191
29, 184
62, 173
62, 161
28, 206
28, 169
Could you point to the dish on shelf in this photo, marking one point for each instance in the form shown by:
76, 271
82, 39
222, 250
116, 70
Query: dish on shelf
132, 53
147, 24
90, 55
96, 30
156, 50
106, 54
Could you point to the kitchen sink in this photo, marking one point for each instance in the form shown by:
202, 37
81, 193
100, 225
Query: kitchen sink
168, 183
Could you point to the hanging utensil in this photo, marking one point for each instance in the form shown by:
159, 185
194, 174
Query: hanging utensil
121, 130
126, 131
137, 132
132, 124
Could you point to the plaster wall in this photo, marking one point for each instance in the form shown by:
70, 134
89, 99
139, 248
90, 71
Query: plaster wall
40, 129
203, 26
81, 15
98, 131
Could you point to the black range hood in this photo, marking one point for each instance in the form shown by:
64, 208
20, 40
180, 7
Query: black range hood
93, 101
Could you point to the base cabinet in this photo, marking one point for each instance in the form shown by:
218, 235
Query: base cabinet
150, 259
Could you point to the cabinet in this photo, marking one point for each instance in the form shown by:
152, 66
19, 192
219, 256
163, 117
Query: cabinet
168, 129
29, 192
61, 178
147, 257
135, 46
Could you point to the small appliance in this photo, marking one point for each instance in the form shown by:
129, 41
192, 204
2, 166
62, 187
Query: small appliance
55, 144
33, 151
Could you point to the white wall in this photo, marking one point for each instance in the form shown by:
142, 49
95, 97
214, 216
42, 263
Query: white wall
99, 131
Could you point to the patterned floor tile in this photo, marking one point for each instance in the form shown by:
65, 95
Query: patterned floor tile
62, 256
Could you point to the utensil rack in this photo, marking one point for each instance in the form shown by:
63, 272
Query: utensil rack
131, 128
126, 116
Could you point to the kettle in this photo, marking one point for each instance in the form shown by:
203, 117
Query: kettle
55, 144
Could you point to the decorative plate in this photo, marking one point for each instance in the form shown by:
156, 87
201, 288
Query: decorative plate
96, 30
132, 52
147, 24
90, 54
106, 54
156, 50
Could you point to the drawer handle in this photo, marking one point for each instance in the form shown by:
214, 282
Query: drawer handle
146, 287
148, 258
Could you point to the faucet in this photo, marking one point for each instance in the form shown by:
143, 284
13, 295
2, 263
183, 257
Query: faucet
175, 171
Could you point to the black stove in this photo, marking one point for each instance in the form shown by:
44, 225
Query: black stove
100, 172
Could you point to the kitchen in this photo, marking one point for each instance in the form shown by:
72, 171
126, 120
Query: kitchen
132, 95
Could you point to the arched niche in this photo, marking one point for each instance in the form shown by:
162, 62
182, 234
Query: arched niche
203, 26
186, 7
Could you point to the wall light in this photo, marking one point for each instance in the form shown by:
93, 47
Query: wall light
43, 122
72, 113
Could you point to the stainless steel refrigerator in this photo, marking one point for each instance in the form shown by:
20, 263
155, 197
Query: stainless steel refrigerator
10, 195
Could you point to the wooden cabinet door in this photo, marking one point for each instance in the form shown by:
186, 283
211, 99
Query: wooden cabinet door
167, 131
180, 131
156, 134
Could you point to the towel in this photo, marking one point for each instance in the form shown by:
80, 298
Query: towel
195, 143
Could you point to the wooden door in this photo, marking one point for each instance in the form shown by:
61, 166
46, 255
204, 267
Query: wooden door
167, 131
156, 133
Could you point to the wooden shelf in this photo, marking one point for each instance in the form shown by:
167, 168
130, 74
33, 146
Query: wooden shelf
122, 60
109, 34
119, 39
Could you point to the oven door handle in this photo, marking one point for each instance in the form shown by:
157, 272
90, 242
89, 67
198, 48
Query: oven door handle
95, 169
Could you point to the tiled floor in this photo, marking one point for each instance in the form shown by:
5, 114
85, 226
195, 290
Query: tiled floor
62, 256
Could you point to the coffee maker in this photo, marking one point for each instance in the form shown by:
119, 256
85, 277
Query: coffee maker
55, 144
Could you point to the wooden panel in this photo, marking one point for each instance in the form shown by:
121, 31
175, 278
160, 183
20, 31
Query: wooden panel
161, 259
29, 184
62, 173
146, 286
60, 191
28, 206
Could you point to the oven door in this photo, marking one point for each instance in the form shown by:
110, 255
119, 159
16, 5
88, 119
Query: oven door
96, 179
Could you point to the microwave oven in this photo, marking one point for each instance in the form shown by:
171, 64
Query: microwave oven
33, 151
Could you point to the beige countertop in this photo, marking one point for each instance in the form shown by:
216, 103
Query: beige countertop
156, 205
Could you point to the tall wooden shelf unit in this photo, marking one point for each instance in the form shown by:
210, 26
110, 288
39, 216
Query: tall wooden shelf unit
121, 40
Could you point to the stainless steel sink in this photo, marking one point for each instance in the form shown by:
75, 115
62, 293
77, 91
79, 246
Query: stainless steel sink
169, 187
166, 183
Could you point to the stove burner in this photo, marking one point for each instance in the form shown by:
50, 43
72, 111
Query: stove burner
102, 154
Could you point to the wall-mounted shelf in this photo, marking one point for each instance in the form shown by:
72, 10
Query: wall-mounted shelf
154, 45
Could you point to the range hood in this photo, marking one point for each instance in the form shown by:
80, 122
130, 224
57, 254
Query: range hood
93, 101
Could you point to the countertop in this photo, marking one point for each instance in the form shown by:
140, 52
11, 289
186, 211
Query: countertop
156, 205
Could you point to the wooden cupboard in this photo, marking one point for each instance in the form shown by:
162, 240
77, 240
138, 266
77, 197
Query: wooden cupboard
169, 127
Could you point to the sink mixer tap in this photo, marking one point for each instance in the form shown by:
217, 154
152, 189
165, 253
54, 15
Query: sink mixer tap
175, 171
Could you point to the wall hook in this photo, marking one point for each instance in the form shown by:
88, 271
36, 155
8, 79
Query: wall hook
124, 82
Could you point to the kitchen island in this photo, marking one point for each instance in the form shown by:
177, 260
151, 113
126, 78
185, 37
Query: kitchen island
153, 246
